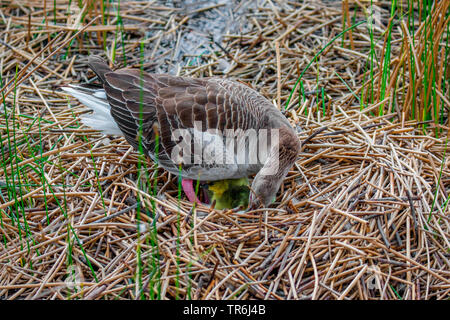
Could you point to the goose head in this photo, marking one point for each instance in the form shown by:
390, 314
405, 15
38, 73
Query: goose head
281, 158
263, 191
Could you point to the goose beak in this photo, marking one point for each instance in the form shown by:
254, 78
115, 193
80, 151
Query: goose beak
253, 203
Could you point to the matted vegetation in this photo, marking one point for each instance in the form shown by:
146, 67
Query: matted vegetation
362, 215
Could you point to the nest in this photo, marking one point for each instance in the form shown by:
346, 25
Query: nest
362, 215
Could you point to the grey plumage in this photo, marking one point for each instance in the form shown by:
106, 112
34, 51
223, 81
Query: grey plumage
158, 104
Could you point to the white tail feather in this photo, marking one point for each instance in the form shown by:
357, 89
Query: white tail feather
95, 100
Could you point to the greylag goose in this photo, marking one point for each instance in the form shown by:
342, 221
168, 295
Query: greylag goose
148, 109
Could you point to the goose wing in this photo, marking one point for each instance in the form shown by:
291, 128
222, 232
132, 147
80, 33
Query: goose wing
149, 105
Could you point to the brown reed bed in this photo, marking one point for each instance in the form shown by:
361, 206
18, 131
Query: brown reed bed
362, 215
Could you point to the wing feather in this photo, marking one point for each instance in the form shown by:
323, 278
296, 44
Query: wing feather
174, 103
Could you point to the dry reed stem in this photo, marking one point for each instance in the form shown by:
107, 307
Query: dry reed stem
355, 217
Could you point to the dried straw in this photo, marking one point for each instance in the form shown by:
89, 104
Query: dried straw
360, 215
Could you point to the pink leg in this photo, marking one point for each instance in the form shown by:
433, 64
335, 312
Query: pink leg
188, 189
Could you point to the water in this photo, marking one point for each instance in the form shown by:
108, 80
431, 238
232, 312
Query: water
202, 33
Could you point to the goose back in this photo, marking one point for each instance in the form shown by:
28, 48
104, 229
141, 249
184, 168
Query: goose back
150, 108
